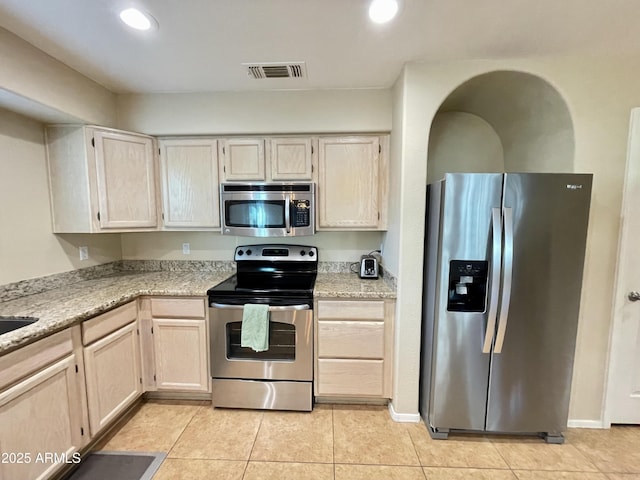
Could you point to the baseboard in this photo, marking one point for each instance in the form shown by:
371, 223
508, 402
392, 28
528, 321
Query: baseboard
586, 424
403, 417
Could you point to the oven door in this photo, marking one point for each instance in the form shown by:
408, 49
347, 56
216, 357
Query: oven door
290, 352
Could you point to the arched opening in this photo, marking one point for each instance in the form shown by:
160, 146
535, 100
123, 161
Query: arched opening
502, 121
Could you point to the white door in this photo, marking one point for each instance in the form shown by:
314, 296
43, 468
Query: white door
623, 395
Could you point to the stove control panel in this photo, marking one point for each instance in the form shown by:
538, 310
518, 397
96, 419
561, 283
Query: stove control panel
270, 252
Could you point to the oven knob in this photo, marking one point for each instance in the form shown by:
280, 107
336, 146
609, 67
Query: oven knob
248, 252
311, 253
240, 253
302, 253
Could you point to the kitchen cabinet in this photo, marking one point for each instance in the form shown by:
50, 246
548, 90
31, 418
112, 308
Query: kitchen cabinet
101, 180
243, 159
41, 409
292, 158
112, 364
352, 185
354, 344
190, 187
177, 350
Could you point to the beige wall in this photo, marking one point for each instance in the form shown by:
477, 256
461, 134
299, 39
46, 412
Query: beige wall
28, 249
48, 89
599, 95
332, 246
463, 142
299, 111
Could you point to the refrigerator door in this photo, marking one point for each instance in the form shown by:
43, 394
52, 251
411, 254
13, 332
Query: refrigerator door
456, 316
530, 379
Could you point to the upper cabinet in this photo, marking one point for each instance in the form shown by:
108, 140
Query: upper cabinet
292, 159
101, 180
106, 180
190, 191
352, 183
243, 159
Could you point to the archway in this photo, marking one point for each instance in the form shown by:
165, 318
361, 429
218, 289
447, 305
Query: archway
502, 121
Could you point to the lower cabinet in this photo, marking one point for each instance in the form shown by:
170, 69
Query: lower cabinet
112, 364
41, 415
177, 344
354, 341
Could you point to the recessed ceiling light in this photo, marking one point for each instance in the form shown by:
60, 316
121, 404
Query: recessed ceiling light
137, 19
381, 11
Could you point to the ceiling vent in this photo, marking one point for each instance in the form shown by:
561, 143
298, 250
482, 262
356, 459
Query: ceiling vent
276, 70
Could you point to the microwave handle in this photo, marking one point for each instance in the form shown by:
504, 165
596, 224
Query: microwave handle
287, 213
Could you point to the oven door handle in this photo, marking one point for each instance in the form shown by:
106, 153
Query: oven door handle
283, 308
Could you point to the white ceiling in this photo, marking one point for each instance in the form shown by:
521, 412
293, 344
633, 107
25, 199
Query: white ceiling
201, 44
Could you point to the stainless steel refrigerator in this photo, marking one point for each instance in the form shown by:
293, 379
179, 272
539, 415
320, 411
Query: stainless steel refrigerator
504, 256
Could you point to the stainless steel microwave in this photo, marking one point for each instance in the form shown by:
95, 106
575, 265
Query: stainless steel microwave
267, 209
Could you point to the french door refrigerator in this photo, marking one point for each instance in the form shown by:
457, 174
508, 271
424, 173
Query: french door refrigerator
504, 256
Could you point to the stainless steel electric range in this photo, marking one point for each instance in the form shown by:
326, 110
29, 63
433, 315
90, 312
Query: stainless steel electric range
280, 378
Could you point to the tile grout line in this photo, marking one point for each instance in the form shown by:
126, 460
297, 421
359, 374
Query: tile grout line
415, 449
513, 472
182, 432
253, 445
333, 441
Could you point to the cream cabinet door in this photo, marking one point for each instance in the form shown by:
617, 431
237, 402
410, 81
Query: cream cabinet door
291, 158
126, 180
190, 187
181, 360
112, 369
40, 416
243, 159
348, 194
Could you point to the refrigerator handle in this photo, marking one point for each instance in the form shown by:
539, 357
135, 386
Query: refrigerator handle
506, 279
496, 259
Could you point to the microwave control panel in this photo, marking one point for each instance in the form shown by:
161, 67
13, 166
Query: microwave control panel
300, 213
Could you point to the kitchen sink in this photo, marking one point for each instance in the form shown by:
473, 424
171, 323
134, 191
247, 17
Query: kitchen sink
9, 324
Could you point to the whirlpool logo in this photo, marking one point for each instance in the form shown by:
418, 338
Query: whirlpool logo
573, 186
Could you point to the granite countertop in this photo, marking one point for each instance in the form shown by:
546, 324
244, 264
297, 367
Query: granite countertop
350, 285
66, 306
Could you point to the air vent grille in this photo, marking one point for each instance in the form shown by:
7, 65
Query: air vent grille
275, 70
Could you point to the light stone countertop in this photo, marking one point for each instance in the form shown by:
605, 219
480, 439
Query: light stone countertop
63, 307
66, 306
350, 285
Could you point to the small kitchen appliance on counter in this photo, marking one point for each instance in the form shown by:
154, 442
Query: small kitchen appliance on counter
368, 266
280, 377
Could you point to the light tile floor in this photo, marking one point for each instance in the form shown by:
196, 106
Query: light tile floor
340, 442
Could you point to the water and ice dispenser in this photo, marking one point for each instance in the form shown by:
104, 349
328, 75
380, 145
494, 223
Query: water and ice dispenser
467, 285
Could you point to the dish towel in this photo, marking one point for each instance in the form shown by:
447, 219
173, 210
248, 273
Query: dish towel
255, 327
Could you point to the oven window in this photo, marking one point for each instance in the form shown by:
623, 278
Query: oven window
254, 213
282, 343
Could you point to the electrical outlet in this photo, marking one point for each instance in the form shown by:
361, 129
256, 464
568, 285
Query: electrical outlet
186, 249
84, 253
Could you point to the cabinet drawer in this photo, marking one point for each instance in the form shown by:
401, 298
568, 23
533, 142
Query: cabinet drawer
108, 322
351, 339
350, 377
27, 360
349, 309
178, 307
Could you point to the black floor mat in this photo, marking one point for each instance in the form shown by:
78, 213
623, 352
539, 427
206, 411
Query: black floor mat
118, 466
